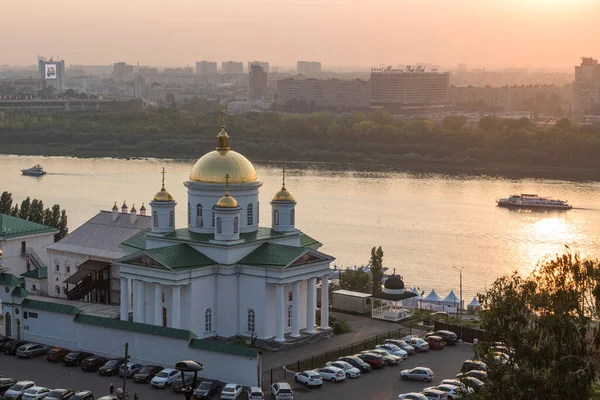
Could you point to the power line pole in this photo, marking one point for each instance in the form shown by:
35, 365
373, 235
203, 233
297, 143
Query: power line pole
461, 298
125, 365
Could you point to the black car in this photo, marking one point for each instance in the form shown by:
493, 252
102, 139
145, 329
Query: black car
11, 347
60, 394
357, 363
5, 384
207, 389
147, 373
449, 337
93, 364
3, 341
470, 365
76, 357
83, 395
111, 367
177, 386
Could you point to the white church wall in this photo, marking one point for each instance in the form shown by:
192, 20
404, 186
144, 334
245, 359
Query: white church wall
252, 296
186, 317
227, 305
303, 304
57, 271
149, 300
269, 307
49, 328
11, 249
203, 292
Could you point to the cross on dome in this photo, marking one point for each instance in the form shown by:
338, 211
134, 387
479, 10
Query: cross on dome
222, 118
163, 178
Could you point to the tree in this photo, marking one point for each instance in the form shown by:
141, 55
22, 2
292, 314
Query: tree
563, 123
33, 210
376, 265
36, 211
63, 230
546, 319
356, 280
24, 210
170, 98
5, 203
454, 122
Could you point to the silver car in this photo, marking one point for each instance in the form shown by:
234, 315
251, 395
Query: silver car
17, 389
31, 350
417, 374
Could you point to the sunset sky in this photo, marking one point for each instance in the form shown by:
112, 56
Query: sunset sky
490, 33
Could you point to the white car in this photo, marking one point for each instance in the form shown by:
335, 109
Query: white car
393, 349
282, 391
231, 391
457, 382
351, 372
332, 374
17, 389
165, 378
309, 378
453, 392
434, 394
255, 393
35, 393
417, 374
389, 358
412, 396
416, 342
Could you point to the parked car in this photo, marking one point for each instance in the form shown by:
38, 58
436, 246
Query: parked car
417, 374
309, 378
31, 350
474, 373
60, 394
435, 342
452, 392
231, 391
434, 394
93, 363
449, 337
5, 384
207, 389
165, 378
473, 383
256, 393
357, 363
111, 367
16, 390
178, 387
389, 358
109, 397
401, 344
281, 391
3, 341
76, 357
57, 354
11, 347
147, 373
393, 349
458, 383
374, 360
349, 370
83, 395
469, 365
416, 342
35, 393
412, 396
130, 369
332, 374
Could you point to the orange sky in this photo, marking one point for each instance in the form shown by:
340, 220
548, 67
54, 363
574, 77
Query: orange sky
491, 33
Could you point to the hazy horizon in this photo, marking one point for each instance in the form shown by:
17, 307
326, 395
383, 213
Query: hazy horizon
551, 34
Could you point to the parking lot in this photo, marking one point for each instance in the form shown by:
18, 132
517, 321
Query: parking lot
378, 384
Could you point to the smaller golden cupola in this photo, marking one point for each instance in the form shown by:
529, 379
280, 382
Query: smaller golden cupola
284, 194
227, 200
163, 194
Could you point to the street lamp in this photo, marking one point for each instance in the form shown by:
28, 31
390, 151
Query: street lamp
188, 366
460, 271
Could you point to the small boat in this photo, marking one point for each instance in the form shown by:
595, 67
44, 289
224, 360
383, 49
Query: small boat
533, 201
36, 170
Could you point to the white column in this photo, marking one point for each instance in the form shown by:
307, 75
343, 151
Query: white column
296, 309
157, 305
325, 302
124, 299
279, 329
139, 304
176, 305
311, 296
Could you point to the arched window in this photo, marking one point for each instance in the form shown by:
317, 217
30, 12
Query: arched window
199, 222
189, 213
219, 225
171, 218
57, 289
292, 217
155, 219
275, 217
249, 214
289, 316
251, 321
208, 320
213, 220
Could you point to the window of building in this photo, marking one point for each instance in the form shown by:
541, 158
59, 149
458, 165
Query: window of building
249, 214
57, 289
189, 213
57, 267
171, 218
33, 287
163, 297
213, 220
155, 219
236, 225
275, 217
208, 320
289, 316
292, 217
219, 225
251, 320
68, 268
199, 215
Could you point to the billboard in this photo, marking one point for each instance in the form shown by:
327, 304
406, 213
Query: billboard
50, 71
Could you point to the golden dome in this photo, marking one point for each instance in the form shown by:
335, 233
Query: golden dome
227, 201
163, 195
283, 195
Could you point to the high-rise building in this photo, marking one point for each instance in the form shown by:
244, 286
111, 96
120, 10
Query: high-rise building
257, 82
206, 68
263, 64
122, 72
232, 67
328, 94
308, 68
52, 73
586, 86
411, 88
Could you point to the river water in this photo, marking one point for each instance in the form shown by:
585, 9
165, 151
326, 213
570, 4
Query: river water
425, 223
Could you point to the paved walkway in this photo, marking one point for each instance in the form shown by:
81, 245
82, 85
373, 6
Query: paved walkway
362, 328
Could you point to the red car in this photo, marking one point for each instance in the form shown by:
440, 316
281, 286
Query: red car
435, 342
57, 354
374, 360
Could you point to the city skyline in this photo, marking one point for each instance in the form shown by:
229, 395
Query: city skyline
493, 34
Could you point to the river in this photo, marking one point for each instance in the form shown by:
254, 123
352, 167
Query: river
425, 223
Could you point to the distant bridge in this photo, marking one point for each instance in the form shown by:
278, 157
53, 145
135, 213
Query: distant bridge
59, 104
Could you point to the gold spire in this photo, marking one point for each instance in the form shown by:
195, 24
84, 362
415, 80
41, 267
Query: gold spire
283, 194
163, 194
223, 137
222, 118
227, 201
163, 172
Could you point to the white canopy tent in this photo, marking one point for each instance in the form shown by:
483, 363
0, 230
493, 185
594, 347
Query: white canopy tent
474, 304
451, 300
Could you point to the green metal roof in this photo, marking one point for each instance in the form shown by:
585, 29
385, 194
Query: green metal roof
134, 327
307, 241
49, 306
38, 273
273, 255
186, 235
227, 348
7, 279
179, 256
14, 227
137, 241
19, 292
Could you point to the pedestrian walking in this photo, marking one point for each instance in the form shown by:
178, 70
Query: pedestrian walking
111, 389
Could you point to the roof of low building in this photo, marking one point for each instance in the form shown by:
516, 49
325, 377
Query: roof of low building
50, 306
350, 293
7, 279
179, 256
38, 273
273, 255
11, 227
137, 241
138, 327
307, 241
19, 292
